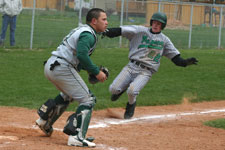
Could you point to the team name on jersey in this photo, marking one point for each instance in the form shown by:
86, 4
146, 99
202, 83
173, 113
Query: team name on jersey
147, 43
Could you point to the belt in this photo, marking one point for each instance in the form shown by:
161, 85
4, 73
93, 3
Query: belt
140, 64
66, 61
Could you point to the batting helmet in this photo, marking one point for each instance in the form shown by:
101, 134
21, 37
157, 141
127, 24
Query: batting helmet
161, 17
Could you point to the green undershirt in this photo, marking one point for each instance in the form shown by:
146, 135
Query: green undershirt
85, 43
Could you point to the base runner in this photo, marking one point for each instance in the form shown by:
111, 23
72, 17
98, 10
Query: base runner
146, 48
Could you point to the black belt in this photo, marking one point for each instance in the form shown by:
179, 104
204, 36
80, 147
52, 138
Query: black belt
140, 64
66, 61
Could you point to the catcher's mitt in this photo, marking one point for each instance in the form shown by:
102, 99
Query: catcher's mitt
93, 80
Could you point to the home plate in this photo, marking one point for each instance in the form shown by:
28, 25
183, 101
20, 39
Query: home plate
13, 138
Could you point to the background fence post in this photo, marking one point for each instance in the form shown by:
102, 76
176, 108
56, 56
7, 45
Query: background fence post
190, 32
159, 6
220, 27
32, 24
80, 14
127, 10
121, 21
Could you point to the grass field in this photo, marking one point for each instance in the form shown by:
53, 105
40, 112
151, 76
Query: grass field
22, 82
51, 26
218, 123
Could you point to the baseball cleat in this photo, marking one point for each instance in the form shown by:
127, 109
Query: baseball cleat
115, 97
75, 141
90, 139
42, 125
129, 110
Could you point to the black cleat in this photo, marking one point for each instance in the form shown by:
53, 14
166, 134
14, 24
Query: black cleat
42, 125
129, 110
90, 139
115, 97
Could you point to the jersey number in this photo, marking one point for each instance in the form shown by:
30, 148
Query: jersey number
152, 55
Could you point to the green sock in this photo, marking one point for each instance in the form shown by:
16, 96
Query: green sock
59, 100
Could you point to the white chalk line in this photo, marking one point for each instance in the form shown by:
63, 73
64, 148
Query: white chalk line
107, 122
105, 147
13, 138
7, 143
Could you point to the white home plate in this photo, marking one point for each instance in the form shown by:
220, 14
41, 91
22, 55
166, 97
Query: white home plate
13, 138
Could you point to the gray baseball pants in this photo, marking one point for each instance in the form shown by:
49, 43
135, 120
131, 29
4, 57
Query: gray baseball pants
133, 78
67, 80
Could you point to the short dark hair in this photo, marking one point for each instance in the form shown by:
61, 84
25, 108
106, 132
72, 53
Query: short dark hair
93, 13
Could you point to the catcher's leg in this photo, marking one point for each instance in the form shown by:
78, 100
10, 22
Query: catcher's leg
49, 112
77, 125
68, 80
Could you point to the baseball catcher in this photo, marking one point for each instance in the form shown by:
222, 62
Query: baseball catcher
62, 69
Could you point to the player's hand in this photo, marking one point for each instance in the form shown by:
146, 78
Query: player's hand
101, 76
104, 33
191, 61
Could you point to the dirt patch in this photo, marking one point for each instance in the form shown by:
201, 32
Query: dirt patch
155, 127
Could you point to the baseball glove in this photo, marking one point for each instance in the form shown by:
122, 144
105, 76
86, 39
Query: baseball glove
93, 80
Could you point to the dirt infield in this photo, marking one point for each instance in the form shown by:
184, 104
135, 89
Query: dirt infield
173, 127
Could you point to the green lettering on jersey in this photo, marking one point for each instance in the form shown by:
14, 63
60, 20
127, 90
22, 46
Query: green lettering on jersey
156, 45
145, 40
151, 54
154, 56
146, 43
157, 57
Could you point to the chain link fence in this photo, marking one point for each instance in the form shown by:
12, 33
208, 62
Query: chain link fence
190, 25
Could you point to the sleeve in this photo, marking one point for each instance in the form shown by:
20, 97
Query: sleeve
20, 6
85, 43
129, 31
179, 61
170, 50
1, 6
112, 32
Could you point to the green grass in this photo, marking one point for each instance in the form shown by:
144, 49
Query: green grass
22, 82
219, 123
51, 26
202, 37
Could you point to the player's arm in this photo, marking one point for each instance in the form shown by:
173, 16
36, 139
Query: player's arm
127, 31
179, 61
20, 6
112, 32
1, 6
85, 42
171, 52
